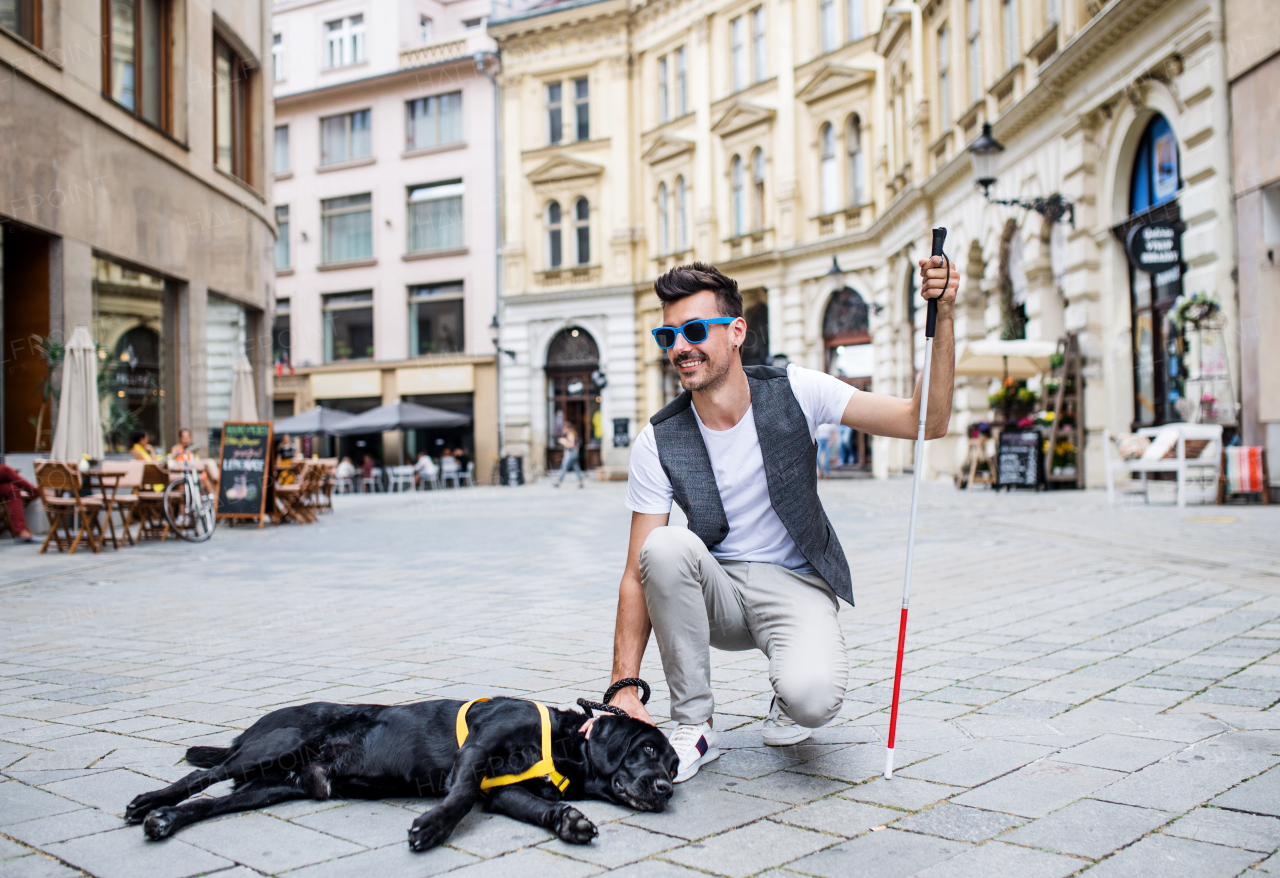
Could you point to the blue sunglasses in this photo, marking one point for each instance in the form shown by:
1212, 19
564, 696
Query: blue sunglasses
694, 332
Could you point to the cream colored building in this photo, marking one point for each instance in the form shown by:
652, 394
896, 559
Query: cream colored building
769, 137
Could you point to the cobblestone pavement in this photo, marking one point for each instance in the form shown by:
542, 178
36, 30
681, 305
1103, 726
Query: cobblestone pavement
1088, 690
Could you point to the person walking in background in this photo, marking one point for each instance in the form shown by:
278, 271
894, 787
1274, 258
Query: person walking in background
12, 489
846, 444
826, 436
569, 442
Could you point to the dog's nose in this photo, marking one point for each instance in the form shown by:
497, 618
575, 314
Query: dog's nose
662, 786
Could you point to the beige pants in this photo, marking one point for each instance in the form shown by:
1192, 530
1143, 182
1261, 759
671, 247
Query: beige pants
696, 602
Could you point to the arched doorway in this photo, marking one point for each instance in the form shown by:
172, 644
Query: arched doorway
134, 386
573, 395
846, 338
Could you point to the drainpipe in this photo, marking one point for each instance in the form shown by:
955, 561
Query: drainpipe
480, 59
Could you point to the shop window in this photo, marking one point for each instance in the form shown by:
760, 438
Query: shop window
280, 152
582, 230
226, 334
348, 326
344, 41
128, 327
136, 71
573, 396
433, 121
345, 137
282, 237
22, 17
435, 319
435, 216
346, 228
281, 338
230, 111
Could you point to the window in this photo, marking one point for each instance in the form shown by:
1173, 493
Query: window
855, 19
435, 216
975, 51
136, 70
757, 188
830, 184
554, 110
682, 216
230, 111
22, 17
280, 154
1051, 13
759, 47
433, 121
664, 112
281, 340
344, 41
582, 108
582, 230
827, 24
282, 242
738, 44
348, 326
853, 145
682, 82
424, 29
346, 228
345, 137
664, 228
1009, 18
738, 207
944, 79
435, 319
555, 256
472, 23
277, 58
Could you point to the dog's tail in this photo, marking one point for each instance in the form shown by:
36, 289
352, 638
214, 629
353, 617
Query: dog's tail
207, 757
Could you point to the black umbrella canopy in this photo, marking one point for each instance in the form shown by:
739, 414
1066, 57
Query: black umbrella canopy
316, 420
401, 416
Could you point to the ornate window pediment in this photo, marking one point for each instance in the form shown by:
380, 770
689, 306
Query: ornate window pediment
741, 115
563, 168
665, 147
831, 79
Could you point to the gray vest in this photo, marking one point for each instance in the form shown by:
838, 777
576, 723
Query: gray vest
789, 465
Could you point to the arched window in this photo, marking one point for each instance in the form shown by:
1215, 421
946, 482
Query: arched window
582, 226
757, 188
682, 216
664, 228
554, 251
853, 147
739, 206
1155, 168
830, 177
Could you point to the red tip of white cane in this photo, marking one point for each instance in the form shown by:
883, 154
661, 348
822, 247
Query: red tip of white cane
888, 763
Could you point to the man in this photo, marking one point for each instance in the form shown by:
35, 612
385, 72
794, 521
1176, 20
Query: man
760, 565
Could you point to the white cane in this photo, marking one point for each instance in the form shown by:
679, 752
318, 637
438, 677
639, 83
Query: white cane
930, 325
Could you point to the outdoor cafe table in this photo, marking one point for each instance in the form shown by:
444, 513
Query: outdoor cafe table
107, 484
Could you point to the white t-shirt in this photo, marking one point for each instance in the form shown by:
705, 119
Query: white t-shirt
755, 531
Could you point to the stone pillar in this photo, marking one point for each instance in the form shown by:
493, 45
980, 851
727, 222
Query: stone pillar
71, 282
392, 446
193, 375
484, 408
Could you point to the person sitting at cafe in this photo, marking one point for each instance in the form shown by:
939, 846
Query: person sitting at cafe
141, 446
17, 492
425, 469
184, 452
286, 451
346, 469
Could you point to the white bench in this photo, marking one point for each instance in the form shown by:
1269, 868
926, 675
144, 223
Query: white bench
1171, 436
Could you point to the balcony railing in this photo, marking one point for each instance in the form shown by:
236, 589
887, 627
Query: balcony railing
434, 53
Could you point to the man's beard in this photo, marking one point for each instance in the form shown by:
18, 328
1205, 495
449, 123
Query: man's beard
709, 377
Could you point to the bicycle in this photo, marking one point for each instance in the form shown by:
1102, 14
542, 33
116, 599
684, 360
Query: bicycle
190, 510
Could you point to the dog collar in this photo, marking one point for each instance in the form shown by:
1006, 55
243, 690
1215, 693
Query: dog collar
543, 768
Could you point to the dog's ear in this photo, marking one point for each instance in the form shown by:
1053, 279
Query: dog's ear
611, 737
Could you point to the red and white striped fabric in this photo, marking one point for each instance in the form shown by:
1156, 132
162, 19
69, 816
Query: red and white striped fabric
1244, 469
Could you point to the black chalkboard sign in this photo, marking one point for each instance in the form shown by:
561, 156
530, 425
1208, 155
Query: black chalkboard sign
244, 470
511, 470
1018, 459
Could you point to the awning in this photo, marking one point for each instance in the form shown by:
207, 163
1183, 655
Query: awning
992, 358
317, 420
400, 416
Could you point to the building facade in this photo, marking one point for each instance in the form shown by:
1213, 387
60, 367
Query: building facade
137, 189
384, 166
807, 148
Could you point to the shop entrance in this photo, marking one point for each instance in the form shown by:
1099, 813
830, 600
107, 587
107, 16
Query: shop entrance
573, 397
850, 357
24, 297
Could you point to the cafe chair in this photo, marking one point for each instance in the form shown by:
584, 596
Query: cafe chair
72, 518
401, 478
1189, 451
371, 483
291, 498
149, 506
1243, 471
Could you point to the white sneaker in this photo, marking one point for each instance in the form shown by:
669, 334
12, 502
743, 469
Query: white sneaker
781, 730
696, 746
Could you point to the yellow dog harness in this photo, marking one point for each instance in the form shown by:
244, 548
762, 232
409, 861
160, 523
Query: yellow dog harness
543, 768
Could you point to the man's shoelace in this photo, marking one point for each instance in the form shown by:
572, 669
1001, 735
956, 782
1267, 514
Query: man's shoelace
685, 736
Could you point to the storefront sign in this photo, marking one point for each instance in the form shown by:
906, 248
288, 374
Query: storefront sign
1154, 247
244, 469
1018, 460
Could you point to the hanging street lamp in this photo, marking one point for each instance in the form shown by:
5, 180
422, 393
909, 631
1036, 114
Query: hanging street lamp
985, 150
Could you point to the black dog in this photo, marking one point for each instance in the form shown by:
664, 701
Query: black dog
371, 751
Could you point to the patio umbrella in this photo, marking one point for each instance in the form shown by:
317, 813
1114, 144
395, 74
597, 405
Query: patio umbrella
316, 420
244, 402
401, 416
79, 430
993, 358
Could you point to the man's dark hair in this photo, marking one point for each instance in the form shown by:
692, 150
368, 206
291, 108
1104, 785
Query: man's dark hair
686, 280
137, 436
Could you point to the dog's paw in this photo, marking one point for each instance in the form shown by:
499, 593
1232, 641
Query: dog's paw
427, 832
573, 827
160, 823
139, 808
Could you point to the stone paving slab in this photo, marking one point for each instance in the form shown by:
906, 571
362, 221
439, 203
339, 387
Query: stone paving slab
1107, 703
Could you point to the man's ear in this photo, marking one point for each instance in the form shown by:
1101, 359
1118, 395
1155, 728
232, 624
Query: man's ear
610, 739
